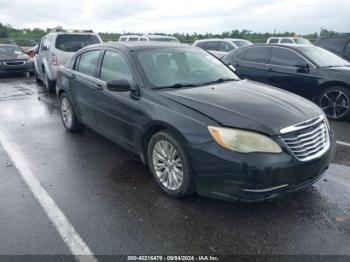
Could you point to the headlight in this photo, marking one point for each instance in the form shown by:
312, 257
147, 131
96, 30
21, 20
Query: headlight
243, 141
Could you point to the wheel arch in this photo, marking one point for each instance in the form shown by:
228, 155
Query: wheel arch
153, 128
328, 84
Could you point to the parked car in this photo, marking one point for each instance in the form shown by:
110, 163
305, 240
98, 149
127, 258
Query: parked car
288, 40
14, 60
55, 49
161, 38
194, 122
338, 44
220, 47
309, 71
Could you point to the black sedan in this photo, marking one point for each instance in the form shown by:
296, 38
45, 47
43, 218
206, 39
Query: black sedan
194, 122
13, 60
309, 71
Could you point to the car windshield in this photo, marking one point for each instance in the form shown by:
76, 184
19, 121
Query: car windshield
181, 67
240, 43
72, 43
302, 41
10, 51
164, 39
322, 57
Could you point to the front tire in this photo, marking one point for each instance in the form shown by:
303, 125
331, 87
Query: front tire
335, 102
170, 165
68, 116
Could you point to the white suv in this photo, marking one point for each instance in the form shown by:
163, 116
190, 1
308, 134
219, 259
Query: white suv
56, 49
220, 47
288, 40
162, 38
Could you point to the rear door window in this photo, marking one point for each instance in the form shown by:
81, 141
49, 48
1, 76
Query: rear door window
256, 54
285, 57
87, 62
133, 39
73, 43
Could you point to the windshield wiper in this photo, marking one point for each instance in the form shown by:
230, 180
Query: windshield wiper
177, 85
218, 81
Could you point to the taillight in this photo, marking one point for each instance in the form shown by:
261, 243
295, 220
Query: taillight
54, 60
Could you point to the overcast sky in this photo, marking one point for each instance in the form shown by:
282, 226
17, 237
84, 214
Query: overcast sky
170, 16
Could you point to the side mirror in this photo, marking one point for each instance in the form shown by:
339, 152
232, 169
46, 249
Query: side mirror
302, 67
36, 49
121, 85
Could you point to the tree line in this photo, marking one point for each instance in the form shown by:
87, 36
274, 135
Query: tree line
32, 36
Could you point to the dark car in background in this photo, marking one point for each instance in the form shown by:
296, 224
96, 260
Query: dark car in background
338, 44
194, 122
309, 71
13, 60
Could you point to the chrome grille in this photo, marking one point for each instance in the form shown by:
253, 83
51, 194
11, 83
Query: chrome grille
310, 141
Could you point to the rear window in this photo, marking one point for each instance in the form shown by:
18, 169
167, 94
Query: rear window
239, 43
73, 43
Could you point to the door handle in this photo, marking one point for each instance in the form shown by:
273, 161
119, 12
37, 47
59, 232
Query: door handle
270, 70
99, 87
72, 76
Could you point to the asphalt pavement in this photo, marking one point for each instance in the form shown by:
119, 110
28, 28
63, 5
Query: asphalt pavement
110, 200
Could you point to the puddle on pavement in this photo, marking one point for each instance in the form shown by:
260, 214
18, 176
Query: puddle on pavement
131, 172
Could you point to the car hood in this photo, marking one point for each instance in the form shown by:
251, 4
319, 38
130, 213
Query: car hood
247, 104
13, 57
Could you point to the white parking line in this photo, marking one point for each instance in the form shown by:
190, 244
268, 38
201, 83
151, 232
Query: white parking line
72, 239
343, 143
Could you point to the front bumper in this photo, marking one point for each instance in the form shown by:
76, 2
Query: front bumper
224, 174
9, 68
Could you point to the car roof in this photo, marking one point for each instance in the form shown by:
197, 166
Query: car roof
289, 46
139, 45
71, 33
161, 36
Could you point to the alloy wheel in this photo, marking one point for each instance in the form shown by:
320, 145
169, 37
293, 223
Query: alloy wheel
335, 104
168, 165
67, 113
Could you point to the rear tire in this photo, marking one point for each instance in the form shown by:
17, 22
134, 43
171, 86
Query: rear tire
68, 115
335, 102
170, 165
50, 85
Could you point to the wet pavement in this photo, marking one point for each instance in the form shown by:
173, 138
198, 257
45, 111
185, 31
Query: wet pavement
109, 197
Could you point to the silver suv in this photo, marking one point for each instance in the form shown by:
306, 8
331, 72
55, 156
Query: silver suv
56, 49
